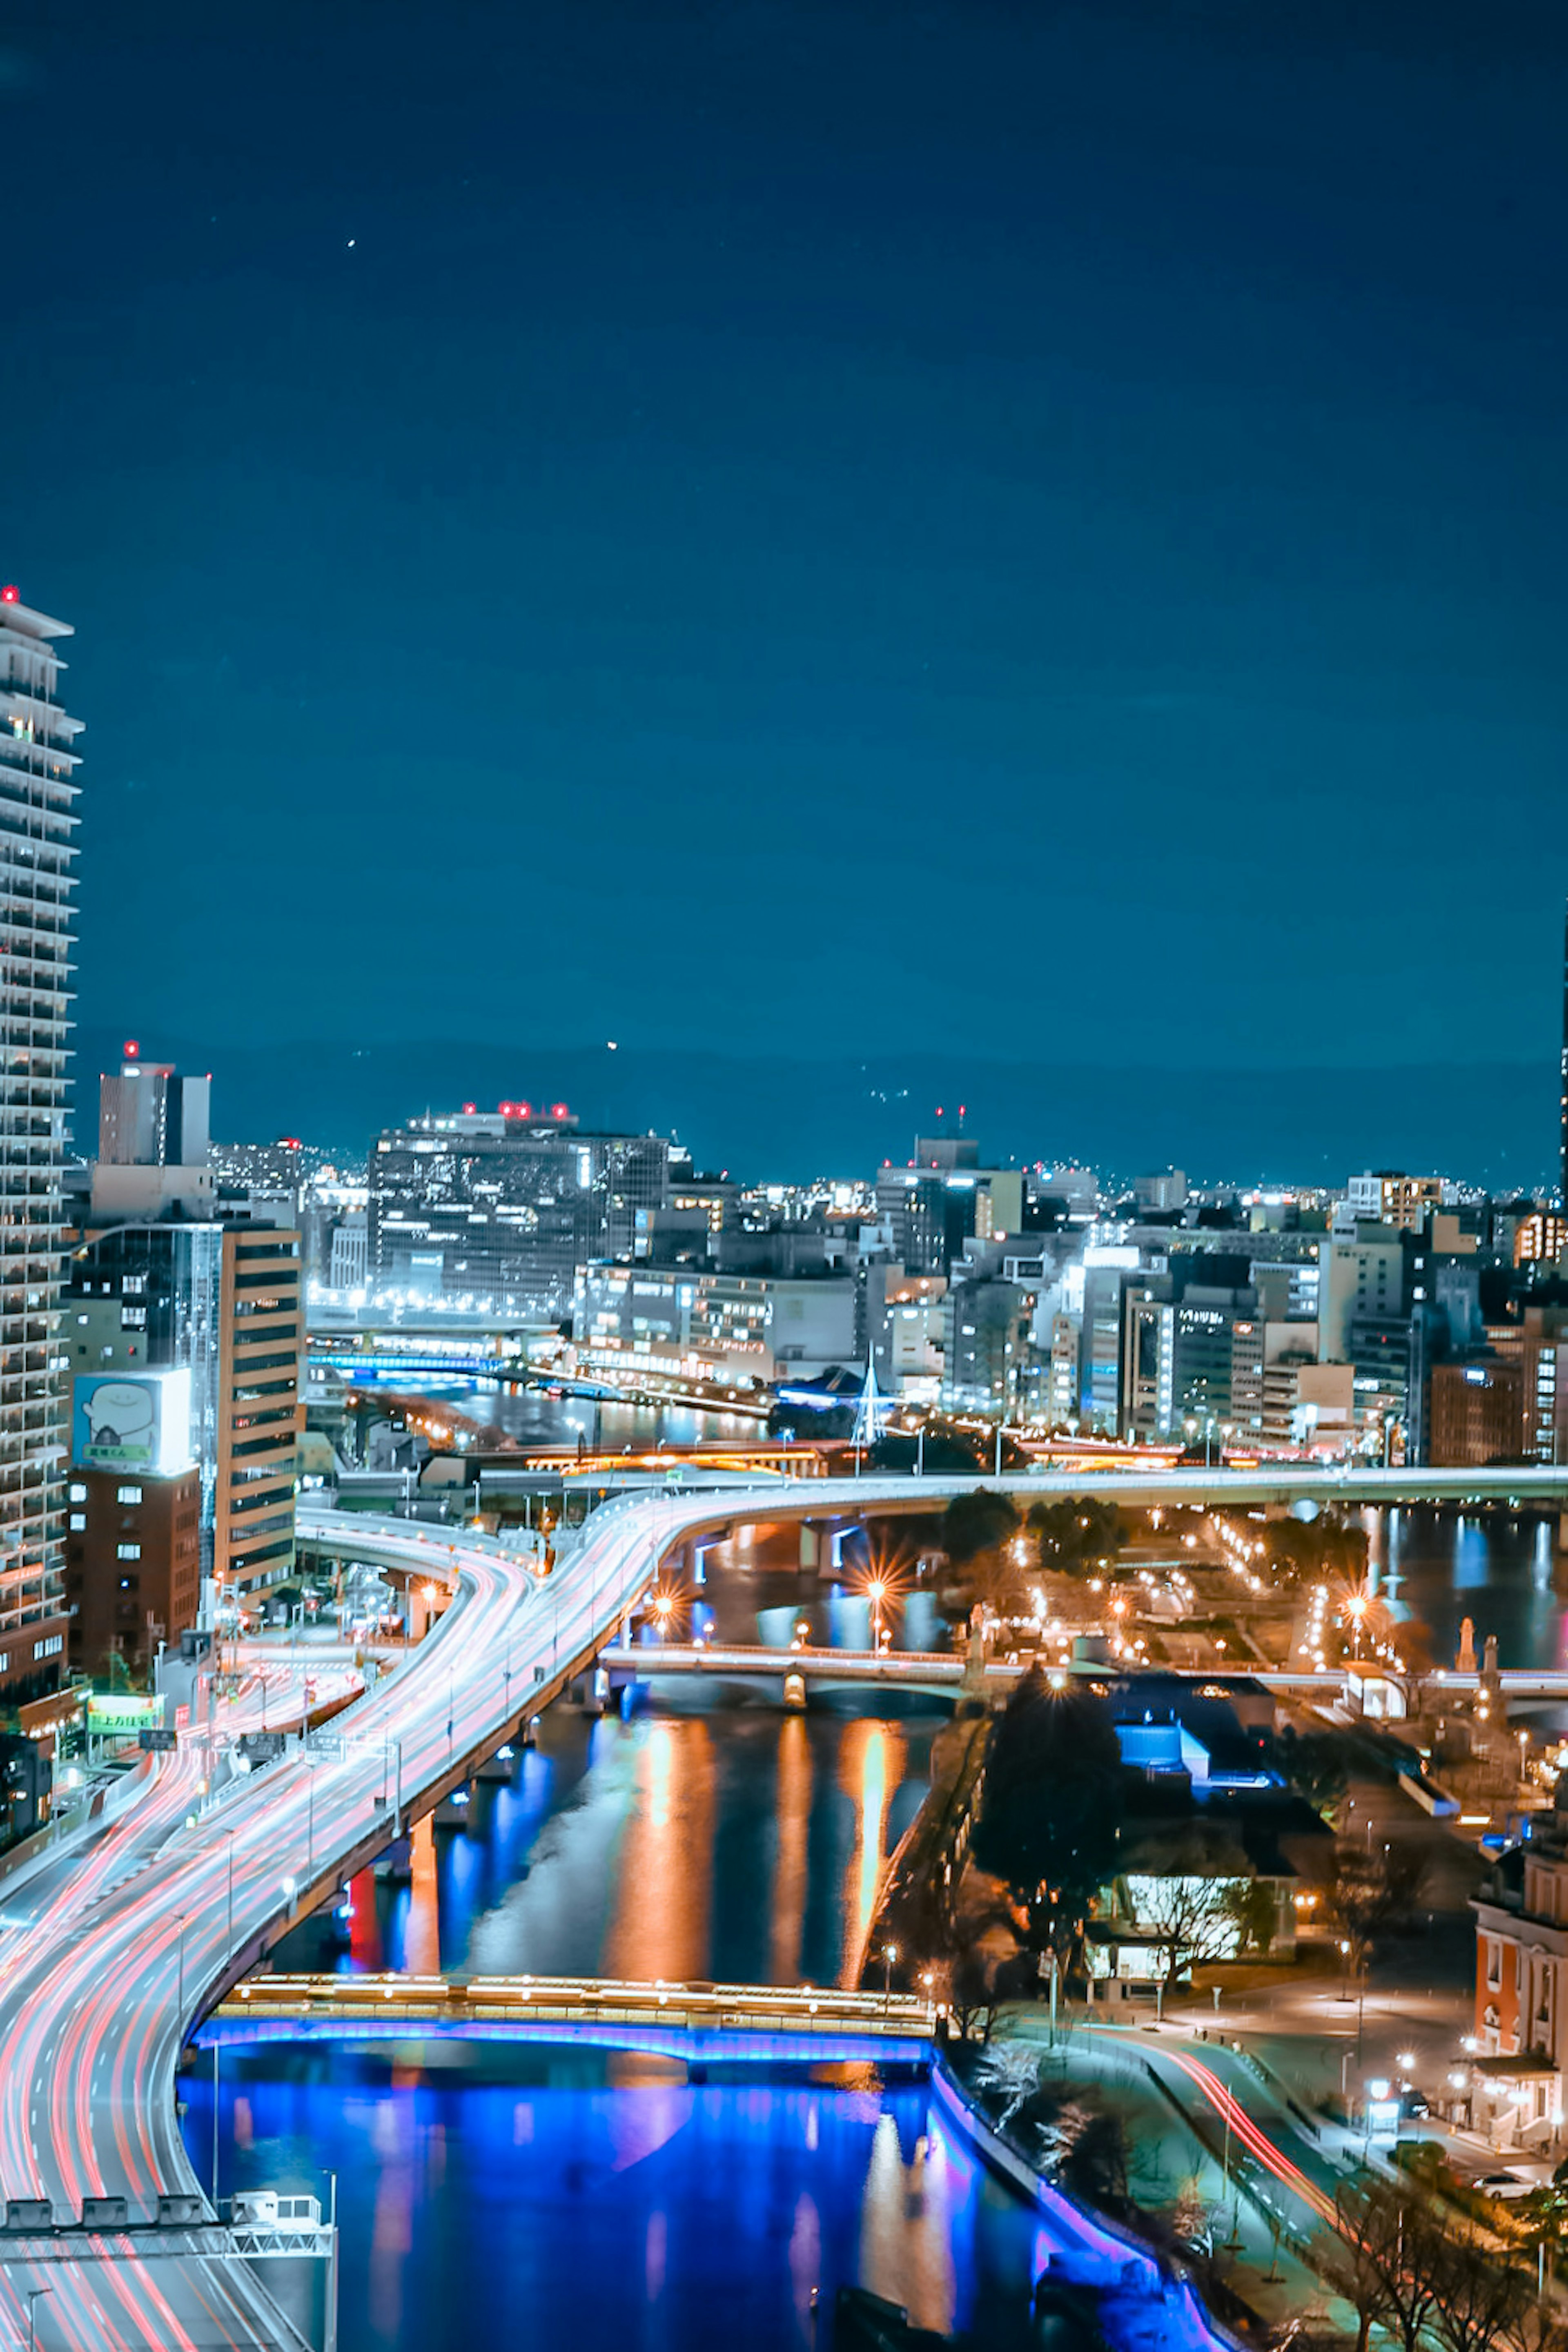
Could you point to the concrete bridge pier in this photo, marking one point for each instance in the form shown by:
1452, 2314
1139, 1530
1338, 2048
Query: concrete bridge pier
810, 1545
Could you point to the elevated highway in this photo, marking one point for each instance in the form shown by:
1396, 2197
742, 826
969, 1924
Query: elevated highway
95, 2010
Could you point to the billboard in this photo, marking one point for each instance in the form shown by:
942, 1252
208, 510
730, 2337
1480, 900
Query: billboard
123, 1711
132, 1421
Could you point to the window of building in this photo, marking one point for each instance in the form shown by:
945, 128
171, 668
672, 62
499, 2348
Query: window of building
134, 1318
78, 1522
128, 1551
78, 1492
133, 1285
127, 1494
50, 1647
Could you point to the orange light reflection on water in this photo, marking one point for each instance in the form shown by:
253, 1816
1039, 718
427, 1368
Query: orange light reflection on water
871, 1765
793, 1820
422, 1936
664, 1872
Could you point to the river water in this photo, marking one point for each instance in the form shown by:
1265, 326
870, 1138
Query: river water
1500, 1569
563, 2198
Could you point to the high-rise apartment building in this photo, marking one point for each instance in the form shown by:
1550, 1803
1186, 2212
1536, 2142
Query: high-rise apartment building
37, 792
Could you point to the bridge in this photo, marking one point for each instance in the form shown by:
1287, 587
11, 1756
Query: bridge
936, 1671
809, 2024
97, 1998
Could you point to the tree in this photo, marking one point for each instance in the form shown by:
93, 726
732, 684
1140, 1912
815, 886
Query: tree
1387, 2259
1050, 1819
1253, 1908
1372, 1892
1315, 1765
1010, 2073
966, 1981
1089, 2155
977, 1531
1070, 1533
1188, 1910
1478, 2299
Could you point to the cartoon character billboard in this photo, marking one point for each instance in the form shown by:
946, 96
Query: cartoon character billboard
132, 1421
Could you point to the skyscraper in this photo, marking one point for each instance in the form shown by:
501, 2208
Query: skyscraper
37, 764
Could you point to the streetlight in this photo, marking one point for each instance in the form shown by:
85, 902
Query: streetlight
890, 1954
33, 2294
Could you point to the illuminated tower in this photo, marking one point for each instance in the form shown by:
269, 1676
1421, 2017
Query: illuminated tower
37, 764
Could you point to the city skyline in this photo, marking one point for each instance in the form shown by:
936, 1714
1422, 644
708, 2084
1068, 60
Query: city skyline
783, 1348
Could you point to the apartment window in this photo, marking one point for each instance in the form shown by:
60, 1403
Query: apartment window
50, 1647
78, 1522
78, 1492
133, 1285
134, 1318
128, 1551
127, 1494
1494, 1964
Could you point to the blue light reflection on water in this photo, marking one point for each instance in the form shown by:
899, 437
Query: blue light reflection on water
605, 2202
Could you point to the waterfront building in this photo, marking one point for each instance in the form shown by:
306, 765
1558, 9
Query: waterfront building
496, 1210
1476, 1414
687, 1323
38, 824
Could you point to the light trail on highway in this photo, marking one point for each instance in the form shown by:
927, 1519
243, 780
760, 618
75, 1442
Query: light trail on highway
95, 2007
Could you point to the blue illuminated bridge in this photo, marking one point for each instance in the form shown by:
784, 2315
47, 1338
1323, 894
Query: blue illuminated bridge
99, 1997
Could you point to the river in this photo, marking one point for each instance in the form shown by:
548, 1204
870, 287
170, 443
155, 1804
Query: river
1500, 1569
582, 2198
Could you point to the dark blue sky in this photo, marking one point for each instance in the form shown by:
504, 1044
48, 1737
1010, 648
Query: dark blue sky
853, 523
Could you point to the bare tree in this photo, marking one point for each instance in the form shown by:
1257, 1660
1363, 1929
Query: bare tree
1478, 2299
1388, 2261
1012, 2072
1188, 1909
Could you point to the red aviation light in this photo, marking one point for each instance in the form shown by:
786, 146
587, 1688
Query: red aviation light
10, 595
558, 1110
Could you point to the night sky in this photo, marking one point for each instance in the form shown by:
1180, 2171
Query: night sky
826, 528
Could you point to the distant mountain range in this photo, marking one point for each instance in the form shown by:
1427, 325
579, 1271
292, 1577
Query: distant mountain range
795, 1116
